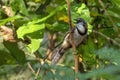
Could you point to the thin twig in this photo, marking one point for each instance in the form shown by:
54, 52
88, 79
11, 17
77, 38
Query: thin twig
71, 36
108, 38
37, 74
33, 71
103, 6
30, 67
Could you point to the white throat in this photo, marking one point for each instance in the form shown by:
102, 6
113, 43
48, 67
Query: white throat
80, 27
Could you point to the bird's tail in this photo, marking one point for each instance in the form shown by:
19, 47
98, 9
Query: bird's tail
57, 56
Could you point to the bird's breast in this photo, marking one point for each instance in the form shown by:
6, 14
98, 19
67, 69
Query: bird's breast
78, 38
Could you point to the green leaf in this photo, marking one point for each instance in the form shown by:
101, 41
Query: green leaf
35, 34
84, 12
59, 8
29, 28
90, 27
109, 72
3, 21
80, 10
19, 5
16, 53
116, 2
58, 26
5, 56
34, 45
109, 53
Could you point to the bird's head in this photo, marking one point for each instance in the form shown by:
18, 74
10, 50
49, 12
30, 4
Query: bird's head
81, 25
80, 20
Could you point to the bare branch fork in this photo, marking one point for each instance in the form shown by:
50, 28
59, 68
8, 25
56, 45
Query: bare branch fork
33, 71
71, 36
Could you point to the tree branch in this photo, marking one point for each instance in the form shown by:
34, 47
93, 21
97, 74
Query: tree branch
108, 38
71, 36
37, 73
33, 71
30, 67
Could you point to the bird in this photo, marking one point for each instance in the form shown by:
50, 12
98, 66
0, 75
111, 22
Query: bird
79, 34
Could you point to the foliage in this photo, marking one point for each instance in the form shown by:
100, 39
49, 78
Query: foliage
31, 20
